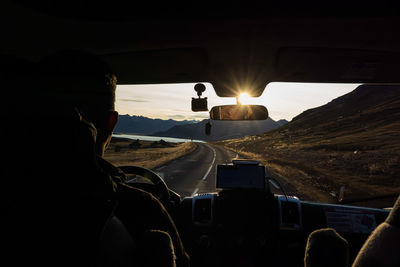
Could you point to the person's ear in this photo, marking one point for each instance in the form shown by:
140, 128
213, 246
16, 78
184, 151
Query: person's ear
112, 121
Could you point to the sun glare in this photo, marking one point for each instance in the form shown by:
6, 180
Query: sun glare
244, 98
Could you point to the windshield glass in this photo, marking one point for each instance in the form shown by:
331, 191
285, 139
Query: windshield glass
319, 139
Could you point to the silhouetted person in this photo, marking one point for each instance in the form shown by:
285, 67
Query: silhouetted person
68, 121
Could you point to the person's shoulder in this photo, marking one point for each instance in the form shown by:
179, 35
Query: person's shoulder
116, 173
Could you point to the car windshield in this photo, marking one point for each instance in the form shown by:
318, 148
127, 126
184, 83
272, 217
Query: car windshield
321, 142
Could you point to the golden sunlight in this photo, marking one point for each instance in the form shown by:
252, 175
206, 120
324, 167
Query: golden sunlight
244, 99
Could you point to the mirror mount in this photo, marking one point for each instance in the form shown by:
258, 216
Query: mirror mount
199, 88
208, 128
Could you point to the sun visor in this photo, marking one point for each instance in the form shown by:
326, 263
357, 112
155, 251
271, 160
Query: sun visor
329, 65
183, 65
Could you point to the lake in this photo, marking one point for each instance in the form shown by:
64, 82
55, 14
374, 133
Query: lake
156, 138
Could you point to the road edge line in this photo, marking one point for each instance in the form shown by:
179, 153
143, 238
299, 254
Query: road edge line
212, 163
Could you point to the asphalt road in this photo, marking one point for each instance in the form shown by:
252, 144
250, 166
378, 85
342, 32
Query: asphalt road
195, 172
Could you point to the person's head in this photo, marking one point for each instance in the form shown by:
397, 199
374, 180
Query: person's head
325, 247
86, 82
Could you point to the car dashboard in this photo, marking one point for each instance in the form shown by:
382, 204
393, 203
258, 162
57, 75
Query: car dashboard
256, 228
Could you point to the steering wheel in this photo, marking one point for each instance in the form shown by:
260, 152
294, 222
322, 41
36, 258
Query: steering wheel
161, 191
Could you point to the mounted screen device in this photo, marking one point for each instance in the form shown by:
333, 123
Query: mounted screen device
199, 104
241, 174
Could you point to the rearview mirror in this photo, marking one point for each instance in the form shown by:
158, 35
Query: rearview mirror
239, 112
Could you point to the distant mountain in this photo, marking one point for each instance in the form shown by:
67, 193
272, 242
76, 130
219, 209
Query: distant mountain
282, 122
220, 130
144, 125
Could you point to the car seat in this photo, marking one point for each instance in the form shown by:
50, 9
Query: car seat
382, 246
325, 247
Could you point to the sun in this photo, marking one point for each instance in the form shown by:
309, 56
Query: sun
244, 99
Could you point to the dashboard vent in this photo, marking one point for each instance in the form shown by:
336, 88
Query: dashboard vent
203, 209
290, 213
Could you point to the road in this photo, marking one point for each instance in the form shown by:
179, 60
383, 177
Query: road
195, 172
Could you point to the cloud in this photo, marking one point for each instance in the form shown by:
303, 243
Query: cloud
199, 117
181, 117
133, 100
177, 116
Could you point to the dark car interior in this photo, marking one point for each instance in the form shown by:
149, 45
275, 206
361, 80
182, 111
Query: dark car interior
229, 45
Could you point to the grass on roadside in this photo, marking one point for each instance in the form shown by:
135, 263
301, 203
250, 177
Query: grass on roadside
145, 154
366, 163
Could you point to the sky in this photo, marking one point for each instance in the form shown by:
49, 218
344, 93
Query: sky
173, 101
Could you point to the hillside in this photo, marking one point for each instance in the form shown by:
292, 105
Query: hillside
220, 130
144, 125
353, 141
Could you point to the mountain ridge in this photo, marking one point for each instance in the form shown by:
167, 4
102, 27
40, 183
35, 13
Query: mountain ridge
132, 124
220, 130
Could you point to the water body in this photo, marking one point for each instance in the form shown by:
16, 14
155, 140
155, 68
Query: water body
156, 138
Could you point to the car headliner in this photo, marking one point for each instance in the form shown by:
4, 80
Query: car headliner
235, 46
